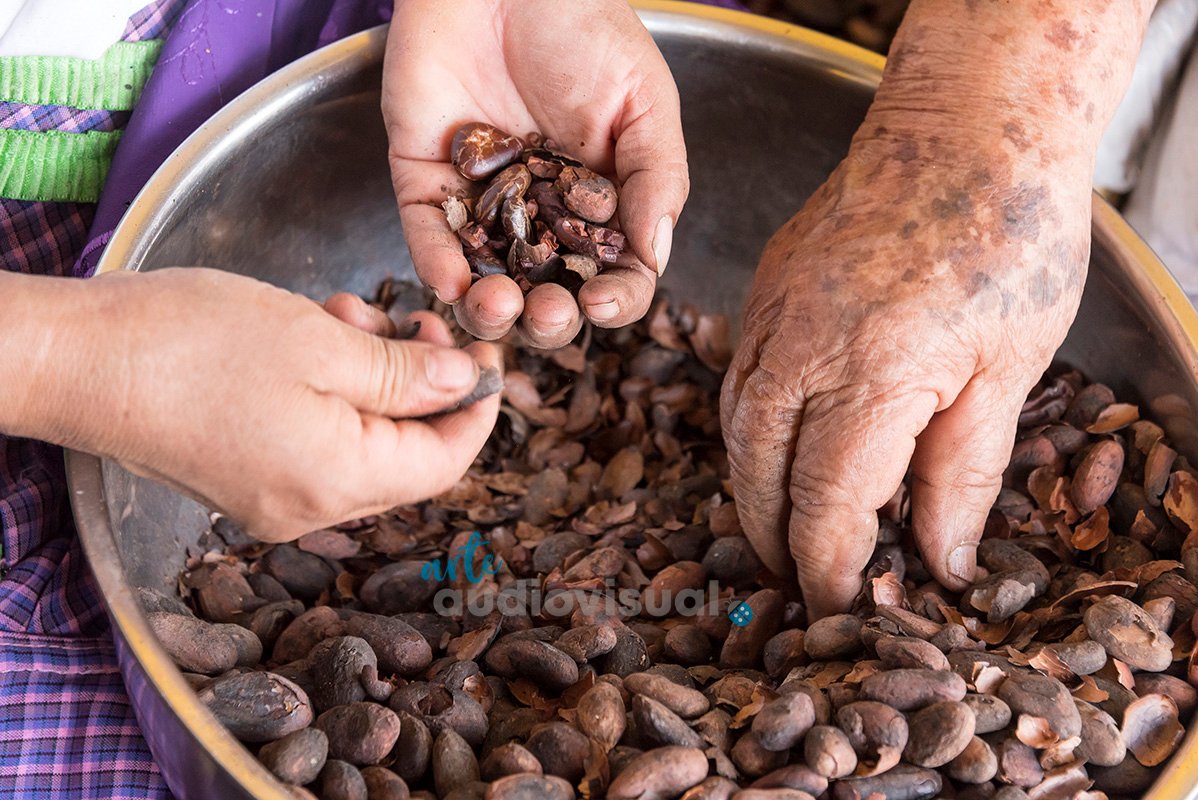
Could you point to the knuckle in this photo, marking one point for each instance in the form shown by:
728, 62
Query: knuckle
972, 479
393, 370
814, 492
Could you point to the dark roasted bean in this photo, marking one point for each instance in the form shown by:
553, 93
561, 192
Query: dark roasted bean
297, 757
360, 733
257, 706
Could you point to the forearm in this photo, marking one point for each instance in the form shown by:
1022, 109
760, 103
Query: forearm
35, 313
1037, 78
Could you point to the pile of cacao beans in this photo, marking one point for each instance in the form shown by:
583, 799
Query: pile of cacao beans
1066, 670
539, 215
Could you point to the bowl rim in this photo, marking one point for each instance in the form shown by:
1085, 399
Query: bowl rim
129, 243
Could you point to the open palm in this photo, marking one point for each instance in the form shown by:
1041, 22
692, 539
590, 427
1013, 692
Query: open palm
585, 74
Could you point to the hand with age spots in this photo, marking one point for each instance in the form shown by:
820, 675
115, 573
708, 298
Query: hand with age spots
898, 321
586, 75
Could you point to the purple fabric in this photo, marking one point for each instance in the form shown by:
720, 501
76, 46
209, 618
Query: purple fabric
218, 49
42, 238
63, 696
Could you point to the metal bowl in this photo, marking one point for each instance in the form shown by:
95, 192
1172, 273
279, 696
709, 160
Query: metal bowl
289, 184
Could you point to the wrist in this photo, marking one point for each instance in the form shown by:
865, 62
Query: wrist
1035, 81
38, 318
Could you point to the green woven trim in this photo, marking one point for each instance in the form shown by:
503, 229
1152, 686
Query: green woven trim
111, 82
53, 166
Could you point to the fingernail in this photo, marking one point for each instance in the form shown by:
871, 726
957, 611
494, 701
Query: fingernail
663, 240
962, 561
602, 312
451, 369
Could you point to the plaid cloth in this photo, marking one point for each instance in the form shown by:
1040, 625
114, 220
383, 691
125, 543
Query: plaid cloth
64, 697
24, 117
153, 21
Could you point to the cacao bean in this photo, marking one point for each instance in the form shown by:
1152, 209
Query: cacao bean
783, 722
193, 644
659, 774
976, 764
828, 751
686, 703
560, 749
900, 783
938, 734
833, 638
530, 787
454, 763
383, 784
342, 781
509, 759
909, 689
479, 150
1129, 634
877, 732
1097, 475
359, 733
297, 757
257, 706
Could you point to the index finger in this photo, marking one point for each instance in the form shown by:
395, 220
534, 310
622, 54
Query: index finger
412, 460
420, 188
853, 448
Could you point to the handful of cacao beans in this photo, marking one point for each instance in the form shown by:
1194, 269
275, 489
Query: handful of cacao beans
539, 215
1066, 670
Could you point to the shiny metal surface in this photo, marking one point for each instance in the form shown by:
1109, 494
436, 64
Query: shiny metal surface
289, 184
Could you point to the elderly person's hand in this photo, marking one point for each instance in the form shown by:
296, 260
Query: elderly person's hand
899, 320
586, 75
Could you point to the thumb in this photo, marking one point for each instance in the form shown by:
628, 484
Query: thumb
853, 449
651, 166
957, 474
399, 379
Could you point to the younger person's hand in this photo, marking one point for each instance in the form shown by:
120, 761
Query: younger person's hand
586, 75
285, 415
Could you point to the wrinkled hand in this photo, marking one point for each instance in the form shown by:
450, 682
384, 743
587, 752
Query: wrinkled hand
899, 319
258, 402
586, 75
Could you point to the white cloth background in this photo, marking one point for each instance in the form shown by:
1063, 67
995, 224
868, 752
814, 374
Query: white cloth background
79, 28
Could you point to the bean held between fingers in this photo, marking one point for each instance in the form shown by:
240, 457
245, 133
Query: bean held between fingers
540, 216
490, 383
606, 474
